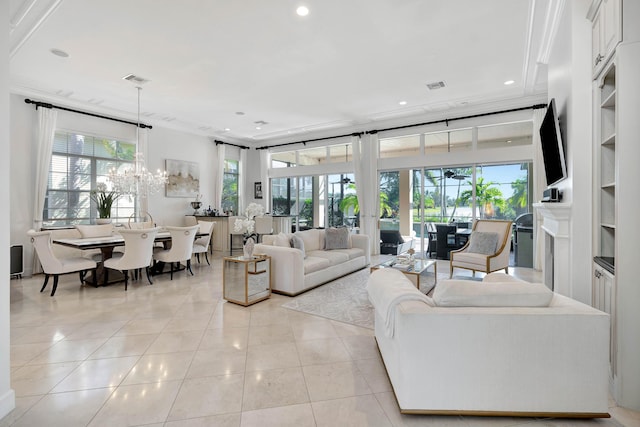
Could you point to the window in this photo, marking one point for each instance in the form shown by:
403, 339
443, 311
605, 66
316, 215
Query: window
230, 186
78, 163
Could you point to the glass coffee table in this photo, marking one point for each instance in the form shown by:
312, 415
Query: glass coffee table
413, 270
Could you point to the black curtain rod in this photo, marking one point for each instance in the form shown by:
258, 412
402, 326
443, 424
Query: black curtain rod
371, 132
47, 105
243, 147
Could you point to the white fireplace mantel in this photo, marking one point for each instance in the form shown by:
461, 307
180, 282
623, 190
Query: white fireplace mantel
554, 219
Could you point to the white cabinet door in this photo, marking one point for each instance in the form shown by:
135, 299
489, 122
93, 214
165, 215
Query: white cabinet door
606, 33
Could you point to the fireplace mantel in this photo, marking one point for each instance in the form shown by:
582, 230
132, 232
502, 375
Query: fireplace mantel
554, 219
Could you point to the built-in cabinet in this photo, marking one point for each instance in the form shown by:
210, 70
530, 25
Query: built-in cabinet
616, 167
606, 33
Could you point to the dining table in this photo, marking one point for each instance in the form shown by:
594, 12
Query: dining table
107, 244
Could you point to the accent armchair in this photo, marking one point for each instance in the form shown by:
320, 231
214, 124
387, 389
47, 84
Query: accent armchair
487, 249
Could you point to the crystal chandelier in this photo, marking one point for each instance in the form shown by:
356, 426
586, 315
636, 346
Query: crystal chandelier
137, 181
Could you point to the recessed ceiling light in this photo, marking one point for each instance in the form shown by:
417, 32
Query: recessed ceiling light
258, 128
60, 53
508, 141
302, 11
227, 129
509, 82
402, 102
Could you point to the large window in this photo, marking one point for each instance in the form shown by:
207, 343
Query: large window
230, 186
78, 163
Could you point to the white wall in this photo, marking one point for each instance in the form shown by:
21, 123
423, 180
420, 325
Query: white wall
7, 396
162, 144
570, 84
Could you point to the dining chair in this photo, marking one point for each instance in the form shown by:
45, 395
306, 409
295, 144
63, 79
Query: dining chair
201, 244
140, 221
54, 266
190, 220
233, 232
138, 252
264, 225
182, 239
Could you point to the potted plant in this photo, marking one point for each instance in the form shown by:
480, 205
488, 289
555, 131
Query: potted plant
104, 201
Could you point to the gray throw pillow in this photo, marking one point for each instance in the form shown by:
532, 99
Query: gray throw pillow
482, 242
298, 243
337, 238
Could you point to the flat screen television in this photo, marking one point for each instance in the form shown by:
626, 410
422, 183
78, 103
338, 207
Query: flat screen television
552, 149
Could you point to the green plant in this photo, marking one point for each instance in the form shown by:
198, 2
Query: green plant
104, 200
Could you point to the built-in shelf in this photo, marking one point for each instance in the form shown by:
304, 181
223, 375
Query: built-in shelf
609, 185
606, 225
610, 140
609, 101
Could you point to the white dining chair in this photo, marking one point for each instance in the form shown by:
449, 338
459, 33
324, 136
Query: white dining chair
201, 244
182, 239
264, 225
138, 252
54, 266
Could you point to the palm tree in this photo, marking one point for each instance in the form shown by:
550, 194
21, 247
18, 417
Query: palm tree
520, 196
351, 201
485, 195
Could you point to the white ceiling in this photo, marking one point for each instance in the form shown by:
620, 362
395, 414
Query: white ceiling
342, 68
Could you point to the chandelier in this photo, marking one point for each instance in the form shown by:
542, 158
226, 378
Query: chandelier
137, 181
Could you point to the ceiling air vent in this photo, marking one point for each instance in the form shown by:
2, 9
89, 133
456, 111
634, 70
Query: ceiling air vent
435, 85
135, 79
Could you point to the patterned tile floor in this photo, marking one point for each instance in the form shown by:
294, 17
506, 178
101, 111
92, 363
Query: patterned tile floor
176, 354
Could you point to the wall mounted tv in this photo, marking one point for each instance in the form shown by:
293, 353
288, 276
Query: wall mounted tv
552, 149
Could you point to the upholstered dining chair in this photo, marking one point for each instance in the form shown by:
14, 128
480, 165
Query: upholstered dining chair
264, 225
201, 244
487, 249
182, 239
233, 232
54, 266
140, 221
138, 252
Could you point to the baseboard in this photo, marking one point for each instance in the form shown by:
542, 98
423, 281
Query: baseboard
7, 403
507, 413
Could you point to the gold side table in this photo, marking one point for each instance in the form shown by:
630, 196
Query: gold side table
246, 281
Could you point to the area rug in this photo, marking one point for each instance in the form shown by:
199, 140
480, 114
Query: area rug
345, 300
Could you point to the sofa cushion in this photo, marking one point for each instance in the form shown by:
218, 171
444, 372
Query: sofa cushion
482, 242
282, 240
313, 264
337, 238
334, 257
91, 231
311, 239
298, 243
465, 293
470, 259
352, 253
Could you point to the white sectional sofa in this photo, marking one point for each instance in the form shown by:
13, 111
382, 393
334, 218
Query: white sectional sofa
485, 352
296, 270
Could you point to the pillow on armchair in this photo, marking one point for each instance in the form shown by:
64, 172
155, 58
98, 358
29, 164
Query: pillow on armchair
482, 242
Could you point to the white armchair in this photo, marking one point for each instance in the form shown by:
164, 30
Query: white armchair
182, 239
138, 251
54, 266
487, 249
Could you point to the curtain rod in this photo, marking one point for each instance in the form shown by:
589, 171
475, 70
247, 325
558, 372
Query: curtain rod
533, 107
243, 147
47, 105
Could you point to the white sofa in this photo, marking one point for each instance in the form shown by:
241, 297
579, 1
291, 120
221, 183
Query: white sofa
293, 273
490, 360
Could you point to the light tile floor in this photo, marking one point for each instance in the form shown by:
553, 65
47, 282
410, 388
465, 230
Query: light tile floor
176, 354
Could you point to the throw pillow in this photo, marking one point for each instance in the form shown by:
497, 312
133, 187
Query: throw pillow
282, 240
337, 238
466, 293
91, 231
482, 242
298, 243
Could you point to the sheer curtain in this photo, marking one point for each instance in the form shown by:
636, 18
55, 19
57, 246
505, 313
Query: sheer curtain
265, 160
47, 118
366, 176
539, 184
219, 176
242, 182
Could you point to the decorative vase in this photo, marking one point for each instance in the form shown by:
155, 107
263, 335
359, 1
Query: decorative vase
247, 248
102, 221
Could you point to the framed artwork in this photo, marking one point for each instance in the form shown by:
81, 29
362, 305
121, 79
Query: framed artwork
257, 190
183, 178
